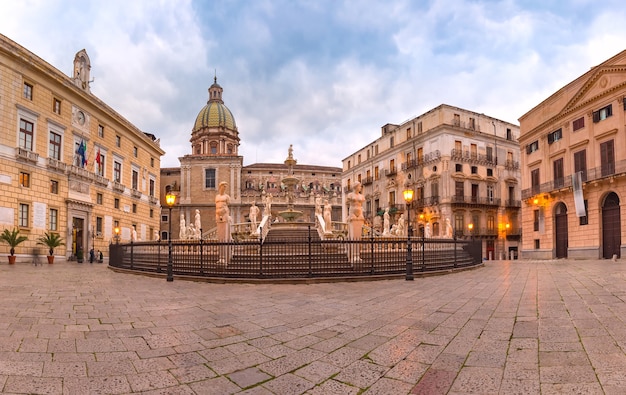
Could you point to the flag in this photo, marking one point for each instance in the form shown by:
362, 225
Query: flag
82, 151
579, 200
98, 160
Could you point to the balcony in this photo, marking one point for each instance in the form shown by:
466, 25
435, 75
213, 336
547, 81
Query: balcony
135, 193
153, 200
473, 157
119, 187
367, 180
390, 172
57, 165
511, 165
513, 203
81, 173
101, 180
475, 200
24, 154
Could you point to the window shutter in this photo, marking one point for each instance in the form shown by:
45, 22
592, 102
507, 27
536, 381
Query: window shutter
609, 110
528, 149
596, 116
624, 103
550, 138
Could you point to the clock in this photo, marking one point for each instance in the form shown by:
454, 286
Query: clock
80, 116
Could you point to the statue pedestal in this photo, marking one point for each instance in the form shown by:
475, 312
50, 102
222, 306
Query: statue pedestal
223, 235
355, 229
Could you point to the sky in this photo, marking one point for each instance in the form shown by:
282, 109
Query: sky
323, 75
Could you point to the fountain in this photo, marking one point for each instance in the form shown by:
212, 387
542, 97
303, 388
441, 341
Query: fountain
290, 215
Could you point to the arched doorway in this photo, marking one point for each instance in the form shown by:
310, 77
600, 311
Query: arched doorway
611, 226
560, 230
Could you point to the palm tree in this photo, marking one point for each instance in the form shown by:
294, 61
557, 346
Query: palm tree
12, 238
51, 240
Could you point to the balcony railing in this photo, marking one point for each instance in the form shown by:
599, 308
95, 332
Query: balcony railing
135, 193
512, 203
80, 172
488, 201
594, 174
153, 200
119, 187
57, 165
24, 154
472, 157
367, 180
392, 171
510, 164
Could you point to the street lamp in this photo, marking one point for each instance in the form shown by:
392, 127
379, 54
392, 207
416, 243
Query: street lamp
408, 198
470, 227
170, 199
117, 234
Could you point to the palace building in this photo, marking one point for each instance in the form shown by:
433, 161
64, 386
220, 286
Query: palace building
463, 168
574, 166
69, 163
215, 158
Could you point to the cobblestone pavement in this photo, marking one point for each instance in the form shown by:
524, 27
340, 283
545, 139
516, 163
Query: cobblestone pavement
521, 327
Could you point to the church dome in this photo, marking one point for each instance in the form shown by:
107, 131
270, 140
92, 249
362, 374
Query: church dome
215, 114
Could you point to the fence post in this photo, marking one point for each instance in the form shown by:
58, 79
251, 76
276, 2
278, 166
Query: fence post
159, 255
455, 260
132, 253
423, 254
372, 250
201, 254
261, 254
310, 257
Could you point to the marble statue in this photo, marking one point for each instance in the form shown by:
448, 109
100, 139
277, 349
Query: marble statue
197, 223
400, 226
386, 222
133, 234
427, 233
156, 236
268, 205
222, 213
448, 228
254, 214
328, 209
356, 220
318, 205
182, 233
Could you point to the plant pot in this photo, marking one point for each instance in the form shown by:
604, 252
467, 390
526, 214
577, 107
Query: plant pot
12, 259
50, 259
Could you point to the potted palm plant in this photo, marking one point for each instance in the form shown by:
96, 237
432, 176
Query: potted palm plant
13, 239
52, 241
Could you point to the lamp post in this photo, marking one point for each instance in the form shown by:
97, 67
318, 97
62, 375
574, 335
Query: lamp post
408, 198
170, 199
470, 227
117, 234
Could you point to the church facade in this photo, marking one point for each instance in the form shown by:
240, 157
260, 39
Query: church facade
215, 158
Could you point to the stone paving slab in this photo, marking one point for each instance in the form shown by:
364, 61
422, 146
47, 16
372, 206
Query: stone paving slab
510, 327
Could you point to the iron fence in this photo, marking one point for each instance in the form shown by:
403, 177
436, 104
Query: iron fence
296, 258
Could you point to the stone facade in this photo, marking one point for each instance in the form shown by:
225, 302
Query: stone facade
463, 168
53, 133
574, 162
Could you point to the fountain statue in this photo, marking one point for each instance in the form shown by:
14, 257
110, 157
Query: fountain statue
290, 215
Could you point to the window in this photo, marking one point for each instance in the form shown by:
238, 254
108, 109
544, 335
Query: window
408, 133
557, 167
490, 154
459, 189
358, 178
359, 158
459, 223
376, 173
584, 220
209, 178
420, 156
54, 150
491, 223
26, 135
151, 188
532, 147
376, 149
603, 113
419, 127
101, 131
135, 152
536, 244
607, 158
99, 198
555, 136
458, 168
472, 123
534, 181
151, 162
434, 190
135, 179
151, 213
458, 147
392, 198
457, 120
509, 134
536, 220
392, 166
474, 151
490, 193
54, 187
23, 215
117, 171
134, 208
24, 180
580, 163
98, 226
164, 218
28, 91
489, 172
578, 124
474, 193
213, 148
118, 141
116, 203
56, 105
474, 170
54, 219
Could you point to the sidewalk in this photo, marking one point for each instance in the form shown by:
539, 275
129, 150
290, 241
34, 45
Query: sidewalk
524, 327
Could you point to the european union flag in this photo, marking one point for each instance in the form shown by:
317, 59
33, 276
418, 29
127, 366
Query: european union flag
82, 151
